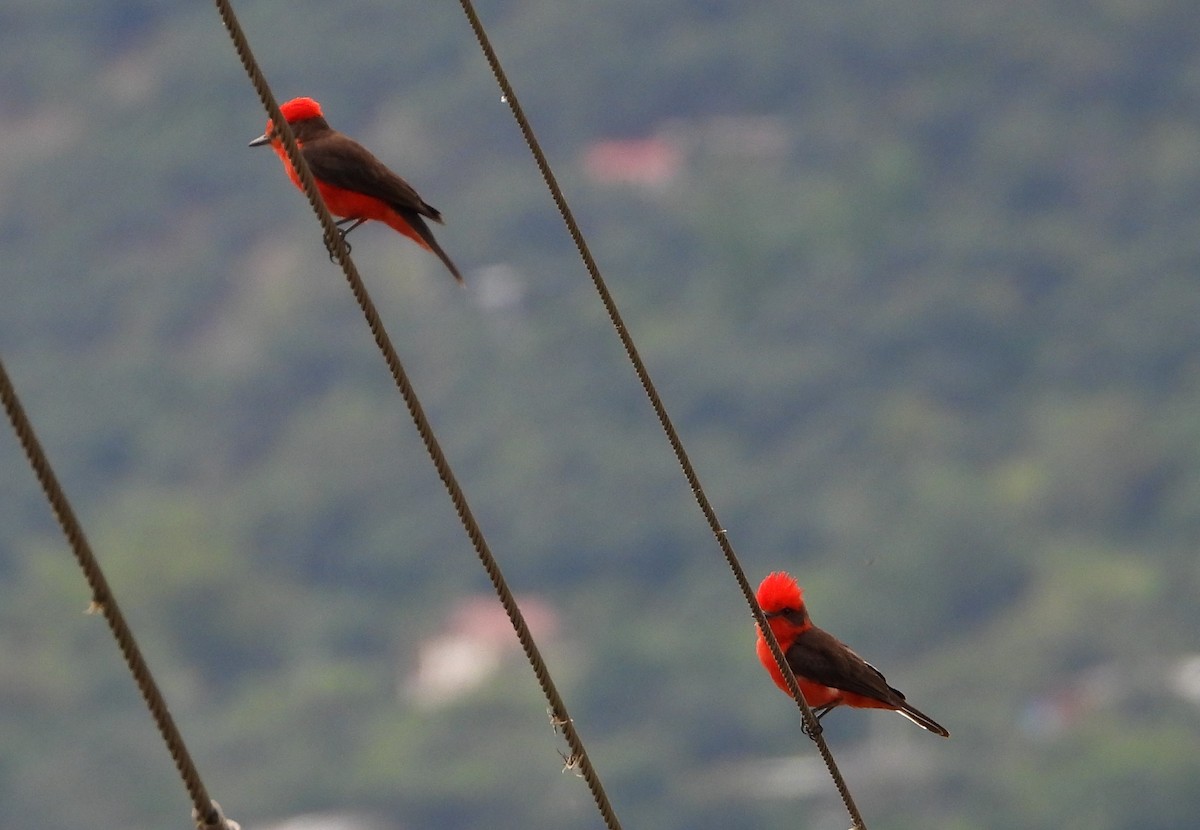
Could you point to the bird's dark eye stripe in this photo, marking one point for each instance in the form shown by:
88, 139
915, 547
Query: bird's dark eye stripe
790, 614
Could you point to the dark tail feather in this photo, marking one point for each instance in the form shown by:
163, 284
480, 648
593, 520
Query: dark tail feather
422, 229
923, 720
437, 249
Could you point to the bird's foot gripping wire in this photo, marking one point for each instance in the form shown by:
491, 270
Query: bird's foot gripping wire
344, 232
332, 249
818, 713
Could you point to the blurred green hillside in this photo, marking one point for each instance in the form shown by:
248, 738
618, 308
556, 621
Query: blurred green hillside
918, 284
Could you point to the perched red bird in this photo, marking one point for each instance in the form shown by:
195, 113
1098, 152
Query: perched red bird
828, 672
354, 184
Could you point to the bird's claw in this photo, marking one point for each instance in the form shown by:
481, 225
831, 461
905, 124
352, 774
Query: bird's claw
329, 246
343, 232
810, 732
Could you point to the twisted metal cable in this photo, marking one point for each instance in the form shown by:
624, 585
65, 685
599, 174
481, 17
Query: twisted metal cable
103, 601
578, 758
812, 726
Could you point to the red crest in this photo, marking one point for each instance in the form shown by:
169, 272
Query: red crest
779, 592
299, 109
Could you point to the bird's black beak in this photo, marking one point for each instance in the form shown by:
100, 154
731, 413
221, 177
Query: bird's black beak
265, 138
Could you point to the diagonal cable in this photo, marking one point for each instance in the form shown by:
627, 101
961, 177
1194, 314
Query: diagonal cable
205, 811
812, 725
578, 758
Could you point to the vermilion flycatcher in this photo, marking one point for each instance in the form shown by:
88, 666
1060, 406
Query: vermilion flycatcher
828, 672
354, 184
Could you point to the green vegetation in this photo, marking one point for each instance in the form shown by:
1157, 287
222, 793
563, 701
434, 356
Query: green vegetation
932, 347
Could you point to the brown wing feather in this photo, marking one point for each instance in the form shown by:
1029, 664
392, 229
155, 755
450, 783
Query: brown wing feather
343, 162
824, 659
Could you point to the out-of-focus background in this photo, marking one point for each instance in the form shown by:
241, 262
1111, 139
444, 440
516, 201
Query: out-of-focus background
917, 282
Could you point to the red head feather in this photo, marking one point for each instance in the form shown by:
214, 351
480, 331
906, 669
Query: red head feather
779, 592
298, 109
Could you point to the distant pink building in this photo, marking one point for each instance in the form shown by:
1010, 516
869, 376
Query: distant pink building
471, 647
657, 161
646, 162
